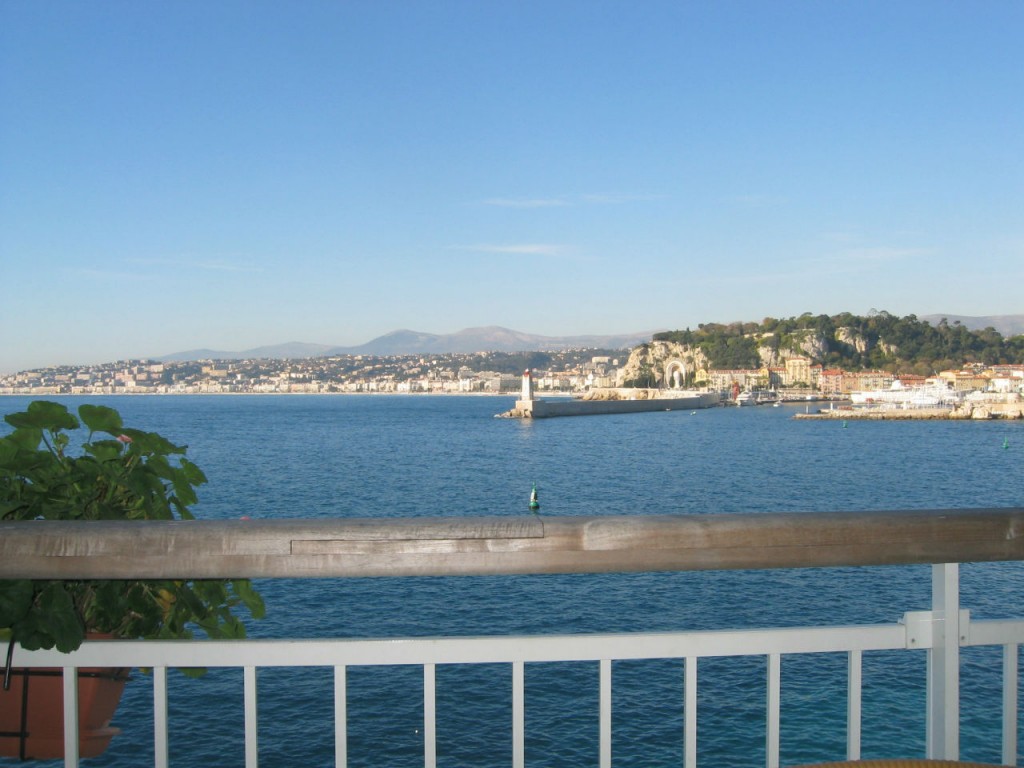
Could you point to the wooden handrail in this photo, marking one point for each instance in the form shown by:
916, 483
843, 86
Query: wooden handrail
503, 545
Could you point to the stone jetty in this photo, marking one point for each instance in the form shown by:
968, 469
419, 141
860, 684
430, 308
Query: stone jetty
963, 412
607, 401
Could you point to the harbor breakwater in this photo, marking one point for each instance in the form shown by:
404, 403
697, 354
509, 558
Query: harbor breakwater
606, 402
963, 412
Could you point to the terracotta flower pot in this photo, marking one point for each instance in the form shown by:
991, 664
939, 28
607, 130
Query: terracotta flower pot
32, 712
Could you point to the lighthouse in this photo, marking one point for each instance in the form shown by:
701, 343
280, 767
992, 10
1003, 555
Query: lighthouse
527, 394
524, 405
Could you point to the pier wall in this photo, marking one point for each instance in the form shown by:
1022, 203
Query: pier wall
543, 409
965, 412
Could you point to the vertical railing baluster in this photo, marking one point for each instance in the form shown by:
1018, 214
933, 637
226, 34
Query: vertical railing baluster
690, 710
252, 752
773, 705
340, 716
160, 742
70, 717
1010, 679
943, 722
518, 714
854, 680
605, 716
429, 716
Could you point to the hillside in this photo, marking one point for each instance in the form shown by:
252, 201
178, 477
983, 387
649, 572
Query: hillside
878, 341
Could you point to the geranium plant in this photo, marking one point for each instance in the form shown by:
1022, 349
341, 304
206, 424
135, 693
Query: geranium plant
116, 473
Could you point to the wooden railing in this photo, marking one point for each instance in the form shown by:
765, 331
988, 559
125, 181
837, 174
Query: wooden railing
455, 546
536, 544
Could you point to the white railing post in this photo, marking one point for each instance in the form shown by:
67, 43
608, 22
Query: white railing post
518, 714
340, 716
855, 684
70, 717
690, 711
605, 714
252, 752
943, 721
1010, 678
429, 716
160, 741
773, 706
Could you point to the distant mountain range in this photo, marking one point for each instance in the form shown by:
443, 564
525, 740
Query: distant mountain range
1007, 325
494, 338
405, 342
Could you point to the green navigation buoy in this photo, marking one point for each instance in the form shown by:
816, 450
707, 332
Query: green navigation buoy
1006, 442
844, 423
534, 501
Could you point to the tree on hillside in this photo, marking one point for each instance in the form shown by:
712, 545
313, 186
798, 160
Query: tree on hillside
898, 344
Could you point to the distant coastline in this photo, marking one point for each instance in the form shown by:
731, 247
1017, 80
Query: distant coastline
151, 393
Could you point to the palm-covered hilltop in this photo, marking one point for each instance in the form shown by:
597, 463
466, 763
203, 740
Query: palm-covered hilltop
879, 340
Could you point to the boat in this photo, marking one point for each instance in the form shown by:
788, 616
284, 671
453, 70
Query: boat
928, 396
758, 397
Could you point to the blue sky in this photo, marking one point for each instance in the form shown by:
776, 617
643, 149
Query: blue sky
235, 174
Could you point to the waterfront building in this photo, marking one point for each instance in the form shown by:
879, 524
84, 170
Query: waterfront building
830, 383
746, 379
866, 380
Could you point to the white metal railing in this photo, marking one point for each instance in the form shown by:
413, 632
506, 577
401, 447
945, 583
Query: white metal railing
449, 546
920, 630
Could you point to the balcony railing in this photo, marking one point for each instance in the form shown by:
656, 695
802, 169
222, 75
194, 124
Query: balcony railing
470, 546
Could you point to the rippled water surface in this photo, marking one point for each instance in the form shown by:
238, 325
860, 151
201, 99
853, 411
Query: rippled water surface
341, 456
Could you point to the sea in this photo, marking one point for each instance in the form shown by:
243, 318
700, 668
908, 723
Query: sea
312, 456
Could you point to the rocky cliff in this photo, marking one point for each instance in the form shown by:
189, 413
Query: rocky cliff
806, 343
655, 363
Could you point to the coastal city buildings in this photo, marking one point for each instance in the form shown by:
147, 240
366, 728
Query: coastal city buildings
442, 374
567, 373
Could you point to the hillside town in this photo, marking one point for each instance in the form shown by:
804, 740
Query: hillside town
434, 374
574, 373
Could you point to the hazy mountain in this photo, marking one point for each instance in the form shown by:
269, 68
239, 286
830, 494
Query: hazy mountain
405, 342
488, 339
494, 338
1007, 325
288, 350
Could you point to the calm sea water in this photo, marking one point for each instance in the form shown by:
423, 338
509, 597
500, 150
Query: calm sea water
343, 456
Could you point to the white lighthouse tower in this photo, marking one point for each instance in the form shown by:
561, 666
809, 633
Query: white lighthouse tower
524, 405
527, 395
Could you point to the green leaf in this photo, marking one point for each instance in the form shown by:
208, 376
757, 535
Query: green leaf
25, 438
193, 473
57, 614
188, 599
8, 453
152, 443
233, 629
43, 414
250, 597
15, 600
100, 418
104, 450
